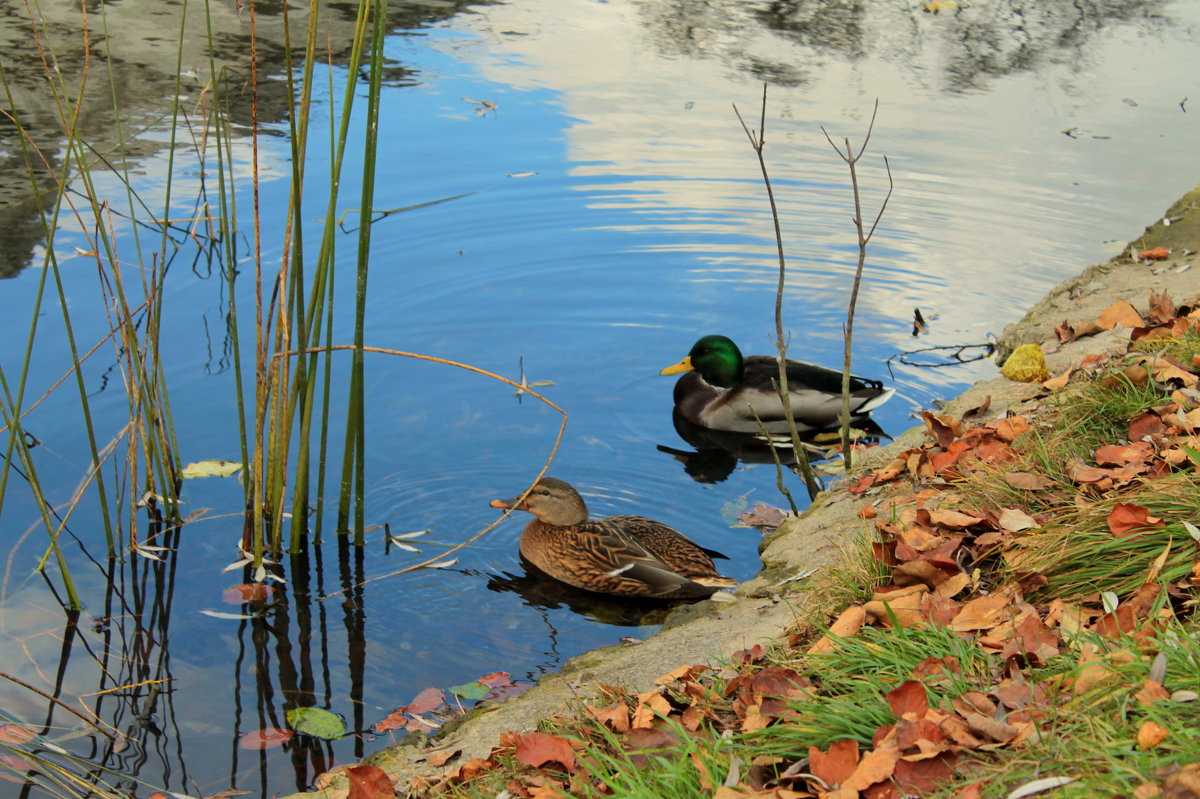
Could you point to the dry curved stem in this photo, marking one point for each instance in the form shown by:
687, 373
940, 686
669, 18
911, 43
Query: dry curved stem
60, 703
562, 428
851, 158
758, 142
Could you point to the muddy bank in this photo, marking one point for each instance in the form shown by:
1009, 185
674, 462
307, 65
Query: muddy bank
765, 607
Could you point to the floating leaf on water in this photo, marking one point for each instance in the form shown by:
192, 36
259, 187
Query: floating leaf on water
762, 515
247, 592
521, 174
441, 564
211, 468
267, 738
497, 679
16, 733
413, 534
316, 722
427, 700
470, 690
147, 551
405, 547
220, 614
731, 509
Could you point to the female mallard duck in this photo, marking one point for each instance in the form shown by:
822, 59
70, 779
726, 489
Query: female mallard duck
621, 555
724, 391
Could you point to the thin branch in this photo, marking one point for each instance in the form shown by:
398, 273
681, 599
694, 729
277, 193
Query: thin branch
781, 344
562, 428
60, 703
851, 159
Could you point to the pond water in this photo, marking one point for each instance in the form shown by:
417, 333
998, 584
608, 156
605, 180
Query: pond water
612, 212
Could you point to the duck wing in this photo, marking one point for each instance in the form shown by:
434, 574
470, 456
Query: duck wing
667, 563
762, 372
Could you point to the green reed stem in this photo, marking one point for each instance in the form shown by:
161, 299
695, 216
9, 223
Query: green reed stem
353, 440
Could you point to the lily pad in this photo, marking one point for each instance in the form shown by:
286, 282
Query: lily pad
316, 722
470, 690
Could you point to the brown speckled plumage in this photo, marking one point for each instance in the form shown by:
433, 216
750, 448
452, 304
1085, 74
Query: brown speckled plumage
620, 555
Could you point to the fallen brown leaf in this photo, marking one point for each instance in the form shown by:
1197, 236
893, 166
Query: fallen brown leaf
369, 782
1014, 520
1028, 481
953, 519
439, 759
875, 766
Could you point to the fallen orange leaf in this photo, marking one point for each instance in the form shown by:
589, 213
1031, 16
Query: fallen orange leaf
1151, 692
1151, 735
535, 749
835, 766
1157, 254
953, 519
848, 623
983, 612
909, 697
1119, 313
1126, 518
875, 766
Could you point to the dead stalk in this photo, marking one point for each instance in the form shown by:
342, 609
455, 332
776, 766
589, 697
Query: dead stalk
851, 158
758, 142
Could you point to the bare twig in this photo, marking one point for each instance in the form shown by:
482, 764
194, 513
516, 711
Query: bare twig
526, 389
60, 703
758, 142
851, 158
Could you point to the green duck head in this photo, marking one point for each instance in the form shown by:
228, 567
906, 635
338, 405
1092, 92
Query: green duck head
716, 358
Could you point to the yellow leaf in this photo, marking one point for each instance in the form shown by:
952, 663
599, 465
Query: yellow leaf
1027, 364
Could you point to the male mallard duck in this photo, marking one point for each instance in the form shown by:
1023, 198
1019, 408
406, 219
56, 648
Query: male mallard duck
724, 391
621, 555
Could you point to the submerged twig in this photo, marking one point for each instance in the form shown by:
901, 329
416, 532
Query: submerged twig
60, 703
